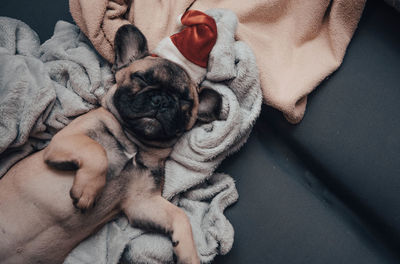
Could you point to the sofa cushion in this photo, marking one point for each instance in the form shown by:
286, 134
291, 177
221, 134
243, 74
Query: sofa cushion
350, 133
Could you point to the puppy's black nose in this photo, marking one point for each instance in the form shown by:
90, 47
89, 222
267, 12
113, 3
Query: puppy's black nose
160, 101
156, 100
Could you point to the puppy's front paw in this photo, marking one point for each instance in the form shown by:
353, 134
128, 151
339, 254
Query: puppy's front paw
185, 253
85, 193
192, 259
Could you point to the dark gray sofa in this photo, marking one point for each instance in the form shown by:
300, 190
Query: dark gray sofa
328, 189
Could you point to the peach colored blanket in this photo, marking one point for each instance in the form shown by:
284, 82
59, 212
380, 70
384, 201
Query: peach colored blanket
297, 43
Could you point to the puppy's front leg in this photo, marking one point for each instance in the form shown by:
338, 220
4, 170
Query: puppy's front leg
156, 213
81, 153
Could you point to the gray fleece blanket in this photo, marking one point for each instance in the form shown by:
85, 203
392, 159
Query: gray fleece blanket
42, 88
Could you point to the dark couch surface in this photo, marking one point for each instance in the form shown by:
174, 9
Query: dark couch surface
326, 190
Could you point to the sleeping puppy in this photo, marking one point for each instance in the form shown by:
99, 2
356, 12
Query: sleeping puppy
110, 161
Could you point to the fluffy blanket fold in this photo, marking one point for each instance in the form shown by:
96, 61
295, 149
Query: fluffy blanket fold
297, 44
42, 88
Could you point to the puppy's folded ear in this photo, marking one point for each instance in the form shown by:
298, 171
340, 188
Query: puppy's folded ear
210, 103
129, 45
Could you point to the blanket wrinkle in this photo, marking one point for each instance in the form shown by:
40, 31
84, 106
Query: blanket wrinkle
44, 89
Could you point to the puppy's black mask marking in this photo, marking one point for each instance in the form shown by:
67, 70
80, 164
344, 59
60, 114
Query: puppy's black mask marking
161, 107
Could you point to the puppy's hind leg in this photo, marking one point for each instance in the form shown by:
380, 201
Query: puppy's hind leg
154, 213
81, 153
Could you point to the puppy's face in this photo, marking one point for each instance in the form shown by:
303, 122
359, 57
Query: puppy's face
154, 98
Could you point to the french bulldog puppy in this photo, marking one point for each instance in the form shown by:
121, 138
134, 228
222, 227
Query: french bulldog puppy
110, 161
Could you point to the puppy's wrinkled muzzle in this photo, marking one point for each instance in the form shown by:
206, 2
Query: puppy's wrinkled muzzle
151, 114
162, 102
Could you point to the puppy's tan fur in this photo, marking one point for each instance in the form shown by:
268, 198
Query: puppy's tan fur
38, 222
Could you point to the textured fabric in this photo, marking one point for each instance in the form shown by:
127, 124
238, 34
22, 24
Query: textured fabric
74, 78
42, 88
297, 43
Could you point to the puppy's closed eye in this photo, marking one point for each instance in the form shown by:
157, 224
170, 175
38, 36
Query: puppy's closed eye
138, 76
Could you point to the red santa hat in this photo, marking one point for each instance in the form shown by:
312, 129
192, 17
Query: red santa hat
191, 47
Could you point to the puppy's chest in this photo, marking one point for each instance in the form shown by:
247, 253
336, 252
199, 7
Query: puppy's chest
128, 167
116, 154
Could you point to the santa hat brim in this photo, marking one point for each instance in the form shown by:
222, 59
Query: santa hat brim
166, 49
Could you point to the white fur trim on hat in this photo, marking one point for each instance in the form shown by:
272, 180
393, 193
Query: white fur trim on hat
167, 50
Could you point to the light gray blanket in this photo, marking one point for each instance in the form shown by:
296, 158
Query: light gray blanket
43, 87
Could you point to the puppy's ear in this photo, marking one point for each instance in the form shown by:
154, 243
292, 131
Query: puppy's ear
210, 103
129, 45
